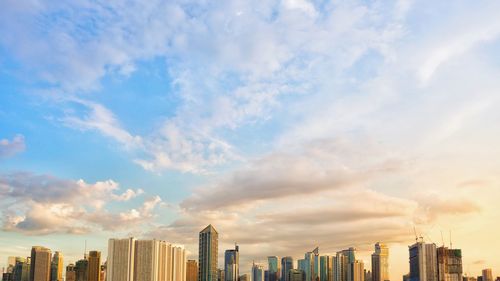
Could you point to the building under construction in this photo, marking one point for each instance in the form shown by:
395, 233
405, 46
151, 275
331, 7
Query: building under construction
449, 264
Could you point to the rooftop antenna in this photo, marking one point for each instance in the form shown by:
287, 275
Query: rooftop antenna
442, 239
451, 244
416, 237
85, 251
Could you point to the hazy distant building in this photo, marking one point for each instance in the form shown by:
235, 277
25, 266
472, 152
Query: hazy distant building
192, 270
380, 263
423, 262
296, 275
286, 265
40, 264
94, 266
274, 268
208, 254
449, 264
487, 274
257, 272
231, 264
70, 272
368, 275
245, 277
120, 262
82, 270
342, 261
356, 271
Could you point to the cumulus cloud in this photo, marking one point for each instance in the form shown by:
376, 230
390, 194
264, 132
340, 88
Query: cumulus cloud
9, 148
44, 204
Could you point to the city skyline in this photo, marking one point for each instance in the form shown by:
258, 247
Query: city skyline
286, 124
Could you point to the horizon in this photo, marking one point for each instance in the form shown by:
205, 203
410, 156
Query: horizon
285, 123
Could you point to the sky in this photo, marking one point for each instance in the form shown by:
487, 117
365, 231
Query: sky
285, 124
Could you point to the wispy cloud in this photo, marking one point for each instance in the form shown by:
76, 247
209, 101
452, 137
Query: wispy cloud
12, 147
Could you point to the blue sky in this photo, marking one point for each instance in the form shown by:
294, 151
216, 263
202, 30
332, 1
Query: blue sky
286, 124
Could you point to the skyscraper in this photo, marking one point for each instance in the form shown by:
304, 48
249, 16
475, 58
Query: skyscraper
449, 264
208, 254
286, 265
22, 269
120, 259
94, 266
487, 275
257, 272
326, 268
40, 264
82, 269
192, 270
356, 271
70, 272
380, 263
231, 264
273, 268
341, 266
423, 262
178, 263
56, 267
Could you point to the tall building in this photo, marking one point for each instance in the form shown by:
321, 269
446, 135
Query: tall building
94, 266
423, 262
326, 268
356, 271
220, 275
192, 270
341, 265
56, 267
487, 275
120, 260
40, 264
380, 263
286, 265
82, 269
296, 275
449, 264
178, 263
70, 272
274, 269
245, 277
21, 270
231, 264
257, 272
311, 269
208, 254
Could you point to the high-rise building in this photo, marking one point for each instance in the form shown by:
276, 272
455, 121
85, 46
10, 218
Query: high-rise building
231, 264
120, 260
56, 267
257, 272
82, 269
423, 262
326, 268
311, 269
449, 264
208, 254
94, 266
178, 263
70, 272
341, 265
220, 274
380, 263
487, 274
21, 270
40, 264
192, 270
286, 265
296, 275
356, 271
274, 269
245, 277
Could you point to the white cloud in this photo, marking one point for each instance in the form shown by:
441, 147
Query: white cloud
9, 148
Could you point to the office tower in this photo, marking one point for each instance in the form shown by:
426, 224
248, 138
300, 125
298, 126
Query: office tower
178, 263
257, 272
423, 262
341, 266
94, 266
231, 264
326, 266
296, 275
449, 264
356, 271
82, 270
311, 267
266, 275
70, 272
380, 263
245, 277
487, 275
40, 264
21, 270
368, 275
56, 267
286, 265
208, 254
192, 270
120, 260
146, 260
273, 268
